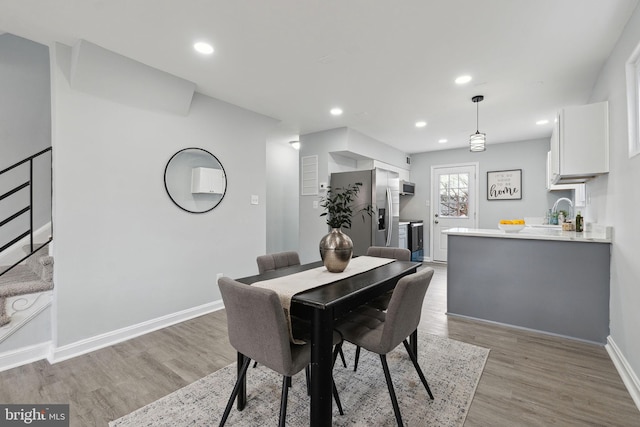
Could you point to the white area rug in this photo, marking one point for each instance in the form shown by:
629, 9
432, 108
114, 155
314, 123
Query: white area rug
452, 369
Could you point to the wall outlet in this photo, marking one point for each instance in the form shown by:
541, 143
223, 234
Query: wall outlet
315, 204
254, 199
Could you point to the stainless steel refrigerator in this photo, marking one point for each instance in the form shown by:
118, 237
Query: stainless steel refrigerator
380, 189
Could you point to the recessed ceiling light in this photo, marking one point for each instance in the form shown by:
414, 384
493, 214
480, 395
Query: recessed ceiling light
421, 124
463, 79
204, 48
542, 122
442, 141
336, 111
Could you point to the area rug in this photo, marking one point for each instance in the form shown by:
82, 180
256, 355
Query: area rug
452, 369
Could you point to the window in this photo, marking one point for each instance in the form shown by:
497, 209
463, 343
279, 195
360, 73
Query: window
454, 195
633, 101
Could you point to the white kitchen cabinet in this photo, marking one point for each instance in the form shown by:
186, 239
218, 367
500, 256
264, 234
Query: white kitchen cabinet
580, 143
580, 197
579, 190
403, 241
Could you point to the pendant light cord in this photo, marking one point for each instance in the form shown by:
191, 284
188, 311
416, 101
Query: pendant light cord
477, 99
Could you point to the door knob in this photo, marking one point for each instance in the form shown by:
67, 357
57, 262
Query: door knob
436, 215
436, 221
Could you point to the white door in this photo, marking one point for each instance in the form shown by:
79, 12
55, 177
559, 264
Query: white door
454, 203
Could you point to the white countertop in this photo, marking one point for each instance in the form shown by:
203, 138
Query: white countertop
599, 234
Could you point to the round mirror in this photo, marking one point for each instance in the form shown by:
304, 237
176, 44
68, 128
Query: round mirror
195, 180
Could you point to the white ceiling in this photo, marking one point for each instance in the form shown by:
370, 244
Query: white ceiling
386, 63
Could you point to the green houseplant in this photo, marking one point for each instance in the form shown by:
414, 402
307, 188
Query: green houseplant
338, 205
336, 248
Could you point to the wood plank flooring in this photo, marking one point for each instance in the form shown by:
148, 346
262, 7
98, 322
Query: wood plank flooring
530, 379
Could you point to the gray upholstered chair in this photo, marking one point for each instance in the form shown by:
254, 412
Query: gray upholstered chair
382, 302
277, 260
401, 254
381, 332
258, 329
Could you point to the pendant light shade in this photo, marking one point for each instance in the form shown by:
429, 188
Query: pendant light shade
477, 140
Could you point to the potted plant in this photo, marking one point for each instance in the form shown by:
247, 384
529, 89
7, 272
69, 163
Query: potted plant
336, 248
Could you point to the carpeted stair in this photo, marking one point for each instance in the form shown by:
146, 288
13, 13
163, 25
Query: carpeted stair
36, 275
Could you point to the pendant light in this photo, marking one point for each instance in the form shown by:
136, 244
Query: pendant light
477, 140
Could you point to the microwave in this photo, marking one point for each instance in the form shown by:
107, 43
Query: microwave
407, 188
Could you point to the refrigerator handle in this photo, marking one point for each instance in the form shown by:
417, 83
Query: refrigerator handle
389, 213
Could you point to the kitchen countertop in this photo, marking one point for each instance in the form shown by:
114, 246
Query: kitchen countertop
599, 234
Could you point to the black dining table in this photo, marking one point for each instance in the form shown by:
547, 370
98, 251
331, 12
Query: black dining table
322, 306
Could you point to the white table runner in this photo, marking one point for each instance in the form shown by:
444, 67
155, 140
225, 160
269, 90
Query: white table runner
287, 286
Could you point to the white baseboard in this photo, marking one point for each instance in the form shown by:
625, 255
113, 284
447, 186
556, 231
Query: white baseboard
522, 328
110, 338
629, 377
22, 356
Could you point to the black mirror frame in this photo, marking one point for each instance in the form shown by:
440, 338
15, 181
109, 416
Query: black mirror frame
167, 188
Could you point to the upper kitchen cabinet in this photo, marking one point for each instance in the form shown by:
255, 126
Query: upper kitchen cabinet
580, 143
579, 189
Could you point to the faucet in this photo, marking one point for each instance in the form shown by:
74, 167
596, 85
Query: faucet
555, 205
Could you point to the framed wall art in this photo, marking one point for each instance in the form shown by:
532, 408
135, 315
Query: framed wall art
504, 185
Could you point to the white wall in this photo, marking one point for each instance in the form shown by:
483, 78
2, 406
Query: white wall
125, 254
364, 145
283, 189
530, 156
615, 201
312, 226
25, 129
25, 105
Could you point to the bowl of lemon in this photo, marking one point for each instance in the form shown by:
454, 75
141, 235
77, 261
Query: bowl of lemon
511, 225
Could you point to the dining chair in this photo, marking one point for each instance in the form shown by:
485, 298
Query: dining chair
276, 261
380, 332
401, 254
258, 330
382, 302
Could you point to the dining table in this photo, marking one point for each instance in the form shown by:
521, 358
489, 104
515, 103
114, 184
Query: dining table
322, 306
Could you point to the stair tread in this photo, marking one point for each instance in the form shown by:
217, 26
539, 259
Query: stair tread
21, 280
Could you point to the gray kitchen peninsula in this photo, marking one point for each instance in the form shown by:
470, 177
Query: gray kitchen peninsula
547, 280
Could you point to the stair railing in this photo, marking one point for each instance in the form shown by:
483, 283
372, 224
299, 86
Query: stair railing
27, 209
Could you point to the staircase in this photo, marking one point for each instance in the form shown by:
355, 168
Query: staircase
26, 280
35, 276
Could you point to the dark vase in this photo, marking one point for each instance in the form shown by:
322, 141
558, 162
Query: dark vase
336, 249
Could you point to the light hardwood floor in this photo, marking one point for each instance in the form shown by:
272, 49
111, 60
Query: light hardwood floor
530, 379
